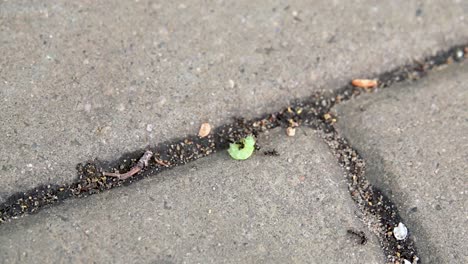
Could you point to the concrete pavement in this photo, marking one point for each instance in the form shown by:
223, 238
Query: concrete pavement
80, 80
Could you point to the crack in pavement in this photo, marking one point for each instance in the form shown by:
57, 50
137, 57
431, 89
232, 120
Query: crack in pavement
380, 214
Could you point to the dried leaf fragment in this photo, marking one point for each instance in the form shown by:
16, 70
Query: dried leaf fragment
205, 130
364, 83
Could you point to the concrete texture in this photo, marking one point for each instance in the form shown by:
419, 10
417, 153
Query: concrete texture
294, 208
87, 79
414, 139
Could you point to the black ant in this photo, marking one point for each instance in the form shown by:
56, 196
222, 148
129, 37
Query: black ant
272, 152
359, 236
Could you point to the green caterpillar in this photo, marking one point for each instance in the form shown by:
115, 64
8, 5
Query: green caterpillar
242, 150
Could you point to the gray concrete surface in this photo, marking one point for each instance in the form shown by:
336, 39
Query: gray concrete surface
87, 79
415, 141
293, 208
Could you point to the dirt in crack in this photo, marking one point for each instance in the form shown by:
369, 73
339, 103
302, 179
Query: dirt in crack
381, 214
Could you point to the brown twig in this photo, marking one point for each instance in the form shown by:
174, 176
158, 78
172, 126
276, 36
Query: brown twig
142, 162
162, 162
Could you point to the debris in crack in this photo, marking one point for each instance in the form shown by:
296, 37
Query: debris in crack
381, 214
364, 83
142, 162
92, 178
400, 232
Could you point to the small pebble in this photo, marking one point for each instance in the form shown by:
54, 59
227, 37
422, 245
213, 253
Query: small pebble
291, 131
232, 84
400, 232
149, 127
205, 130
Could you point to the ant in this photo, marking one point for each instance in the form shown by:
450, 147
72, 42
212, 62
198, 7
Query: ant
359, 236
272, 152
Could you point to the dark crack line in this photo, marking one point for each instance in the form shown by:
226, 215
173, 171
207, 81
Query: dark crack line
380, 213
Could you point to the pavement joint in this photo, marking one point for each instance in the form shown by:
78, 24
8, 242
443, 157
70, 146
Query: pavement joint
381, 215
